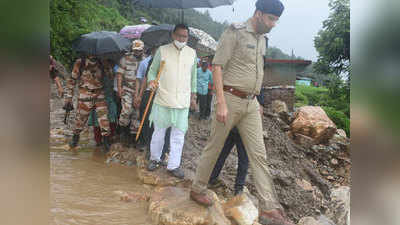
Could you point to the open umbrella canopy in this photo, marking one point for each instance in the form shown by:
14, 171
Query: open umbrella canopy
101, 43
161, 35
134, 32
182, 4
206, 44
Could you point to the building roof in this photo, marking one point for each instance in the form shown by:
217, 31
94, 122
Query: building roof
288, 61
303, 78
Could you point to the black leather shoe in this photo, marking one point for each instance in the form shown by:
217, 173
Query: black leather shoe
153, 165
178, 173
106, 144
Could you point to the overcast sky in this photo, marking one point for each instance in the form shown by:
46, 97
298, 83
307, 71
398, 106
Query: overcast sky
297, 27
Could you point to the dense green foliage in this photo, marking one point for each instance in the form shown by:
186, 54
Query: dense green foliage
339, 118
71, 18
335, 107
333, 41
333, 45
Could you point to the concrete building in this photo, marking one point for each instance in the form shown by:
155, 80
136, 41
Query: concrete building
280, 79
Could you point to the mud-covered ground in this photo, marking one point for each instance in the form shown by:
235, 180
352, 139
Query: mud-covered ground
303, 177
301, 188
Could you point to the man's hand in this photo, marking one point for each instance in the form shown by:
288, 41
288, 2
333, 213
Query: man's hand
136, 102
261, 111
222, 112
153, 85
120, 91
193, 99
60, 91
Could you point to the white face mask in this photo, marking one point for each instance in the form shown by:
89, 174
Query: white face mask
179, 44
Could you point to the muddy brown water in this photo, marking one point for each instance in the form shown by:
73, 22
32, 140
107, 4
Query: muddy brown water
83, 191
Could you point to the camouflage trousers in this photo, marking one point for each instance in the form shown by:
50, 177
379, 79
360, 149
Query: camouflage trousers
128, 112
88, 103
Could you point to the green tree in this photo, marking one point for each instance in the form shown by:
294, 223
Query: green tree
333, 41
333, 46
71, 18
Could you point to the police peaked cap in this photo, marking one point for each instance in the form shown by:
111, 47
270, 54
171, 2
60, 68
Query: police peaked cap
274, 7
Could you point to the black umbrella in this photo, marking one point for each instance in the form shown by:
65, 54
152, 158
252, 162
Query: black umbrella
182, 4
161, 34
103, 43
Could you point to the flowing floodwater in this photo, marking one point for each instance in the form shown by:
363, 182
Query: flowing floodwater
82, 186
83, 191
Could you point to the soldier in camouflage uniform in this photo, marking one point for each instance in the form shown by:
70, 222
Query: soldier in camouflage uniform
128, 91
89, 74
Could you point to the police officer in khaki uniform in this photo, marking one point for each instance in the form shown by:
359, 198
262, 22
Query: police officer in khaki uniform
238, 74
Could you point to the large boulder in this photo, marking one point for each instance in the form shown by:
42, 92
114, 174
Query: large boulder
172, 206
241, 210
313, 122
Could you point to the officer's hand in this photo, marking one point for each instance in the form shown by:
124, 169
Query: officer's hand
222, 112
153, 85
60, 91
120, 92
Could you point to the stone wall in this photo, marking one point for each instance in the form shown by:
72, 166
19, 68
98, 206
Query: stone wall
283, 93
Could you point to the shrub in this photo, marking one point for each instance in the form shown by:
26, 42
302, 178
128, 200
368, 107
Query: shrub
339, 118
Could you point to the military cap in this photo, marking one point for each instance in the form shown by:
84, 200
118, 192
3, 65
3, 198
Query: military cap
274, 7
137, 45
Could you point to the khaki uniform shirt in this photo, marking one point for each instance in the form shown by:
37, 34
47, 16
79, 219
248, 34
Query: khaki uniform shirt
240, 52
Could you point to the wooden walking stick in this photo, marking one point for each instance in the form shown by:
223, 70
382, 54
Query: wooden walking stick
150, 98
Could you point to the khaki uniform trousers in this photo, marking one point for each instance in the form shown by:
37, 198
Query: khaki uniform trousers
245, 115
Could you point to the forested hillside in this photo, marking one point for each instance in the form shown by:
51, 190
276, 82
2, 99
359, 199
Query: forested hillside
71, 18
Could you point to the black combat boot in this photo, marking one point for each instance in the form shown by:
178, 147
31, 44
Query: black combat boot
106, 144
74, 142
124, 136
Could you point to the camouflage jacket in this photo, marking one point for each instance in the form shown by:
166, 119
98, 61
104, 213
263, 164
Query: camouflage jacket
128, 67
88, 77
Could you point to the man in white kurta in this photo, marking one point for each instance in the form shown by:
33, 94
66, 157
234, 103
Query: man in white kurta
176, 91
